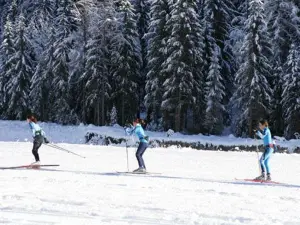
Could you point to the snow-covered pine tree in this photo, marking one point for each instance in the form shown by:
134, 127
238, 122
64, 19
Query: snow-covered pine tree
237, 32
142, 10
20, 74
101, 48
291, 93
87, 10
156, 37
276, 116
13, 11
41, 17
4, 6
67, 22
113, 116
41, 82
284, 28
128, 63
251, 100
214, 96
183, 83
218, 15
7, 50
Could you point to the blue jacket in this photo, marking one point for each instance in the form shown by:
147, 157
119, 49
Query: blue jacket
139, 131
266, 136
36, 129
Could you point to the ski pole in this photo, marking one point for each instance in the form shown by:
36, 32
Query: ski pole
258, 159
63, 149
126, 151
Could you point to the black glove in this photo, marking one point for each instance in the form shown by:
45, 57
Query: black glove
46, 140
146, 138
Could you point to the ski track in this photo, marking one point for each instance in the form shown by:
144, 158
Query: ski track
195, 188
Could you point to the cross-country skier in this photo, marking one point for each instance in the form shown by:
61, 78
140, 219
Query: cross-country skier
143, 145
265, 134
38, 137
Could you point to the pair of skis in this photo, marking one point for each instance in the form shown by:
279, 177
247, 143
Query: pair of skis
28, 166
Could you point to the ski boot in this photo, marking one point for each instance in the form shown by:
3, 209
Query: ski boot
262, 177
35, 165
268, 177
140, 170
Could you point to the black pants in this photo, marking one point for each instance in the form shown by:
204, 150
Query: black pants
139, 154
37, 142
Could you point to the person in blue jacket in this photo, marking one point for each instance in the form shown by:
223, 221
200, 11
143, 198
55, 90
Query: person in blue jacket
265, 134
39, 137
143, 145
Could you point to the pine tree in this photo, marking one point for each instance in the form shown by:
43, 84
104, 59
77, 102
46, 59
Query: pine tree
41, 83
214, 96
291, 93
142, 9
284, 28
7, 51
99, 66
87, 9
218, 15
156, 38
18, 86
251, 100
113, 116
128, 63
67, 22
183, 84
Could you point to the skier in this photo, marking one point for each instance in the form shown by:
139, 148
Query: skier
38, 138
265, 134
143, 145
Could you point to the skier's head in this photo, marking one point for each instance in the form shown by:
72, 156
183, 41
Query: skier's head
136, 121
263, 123
31, 118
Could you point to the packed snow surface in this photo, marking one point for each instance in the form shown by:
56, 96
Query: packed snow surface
194, 187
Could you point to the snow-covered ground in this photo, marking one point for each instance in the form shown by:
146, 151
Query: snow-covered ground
18, 131
194, 187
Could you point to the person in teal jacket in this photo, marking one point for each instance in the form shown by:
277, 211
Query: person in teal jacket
143, 145
265, 134
39, 137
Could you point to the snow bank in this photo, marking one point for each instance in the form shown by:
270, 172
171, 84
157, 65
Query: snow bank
19, 131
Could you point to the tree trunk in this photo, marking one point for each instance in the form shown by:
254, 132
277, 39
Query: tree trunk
102, 106
123, 110
177, 114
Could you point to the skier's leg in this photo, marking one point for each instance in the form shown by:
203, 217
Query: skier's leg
36, 145
139, 154
268, 154
262, 163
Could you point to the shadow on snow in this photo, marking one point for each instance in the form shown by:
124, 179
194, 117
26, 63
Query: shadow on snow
174, 177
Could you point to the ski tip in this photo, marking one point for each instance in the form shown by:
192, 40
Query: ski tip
258, 181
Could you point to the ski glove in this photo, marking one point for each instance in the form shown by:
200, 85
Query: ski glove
46, 140
146, 138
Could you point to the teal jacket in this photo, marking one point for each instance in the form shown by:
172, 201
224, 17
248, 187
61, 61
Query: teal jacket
266, 136
139, 132
36, 129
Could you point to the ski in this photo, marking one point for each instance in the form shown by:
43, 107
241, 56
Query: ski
259, 181
139, 173
27, 166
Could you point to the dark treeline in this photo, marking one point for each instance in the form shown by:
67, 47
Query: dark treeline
189, 65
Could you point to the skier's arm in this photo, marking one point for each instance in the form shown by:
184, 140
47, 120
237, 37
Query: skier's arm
129, 130
32, 129
258, 133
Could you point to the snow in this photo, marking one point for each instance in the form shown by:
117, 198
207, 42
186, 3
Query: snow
194, 187
18, 131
